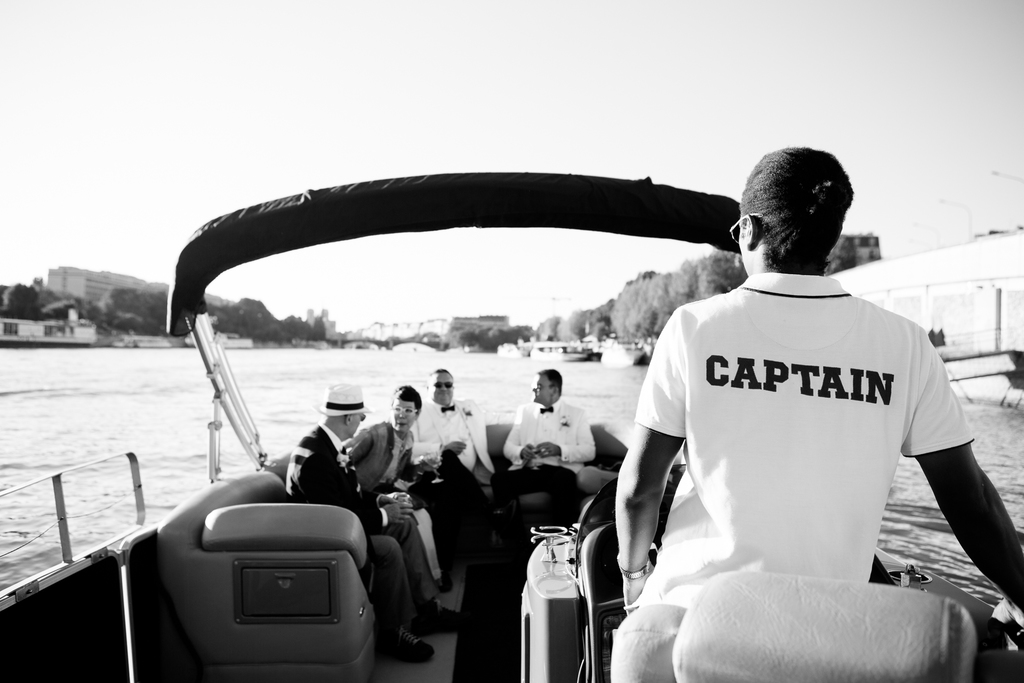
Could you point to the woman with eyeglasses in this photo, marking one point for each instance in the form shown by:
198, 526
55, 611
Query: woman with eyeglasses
382, 457
382, 453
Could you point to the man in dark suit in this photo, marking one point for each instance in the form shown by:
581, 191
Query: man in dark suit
404, 593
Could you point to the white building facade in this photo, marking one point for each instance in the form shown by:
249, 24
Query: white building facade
93, 286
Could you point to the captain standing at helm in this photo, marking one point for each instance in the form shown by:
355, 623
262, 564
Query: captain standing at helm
795, 401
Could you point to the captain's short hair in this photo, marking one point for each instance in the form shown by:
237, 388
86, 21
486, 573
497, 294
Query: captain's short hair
802, 196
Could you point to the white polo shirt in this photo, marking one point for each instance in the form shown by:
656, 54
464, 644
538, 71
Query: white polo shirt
795, 400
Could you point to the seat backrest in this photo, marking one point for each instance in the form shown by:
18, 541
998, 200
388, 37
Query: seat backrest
607, 444
257, 589
497, 435
181, 531
780, 627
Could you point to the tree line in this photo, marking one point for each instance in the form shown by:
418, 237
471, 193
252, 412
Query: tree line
144, 312
641, 310
637, 314
643, 307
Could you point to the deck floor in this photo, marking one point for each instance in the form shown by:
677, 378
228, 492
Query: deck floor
439, 668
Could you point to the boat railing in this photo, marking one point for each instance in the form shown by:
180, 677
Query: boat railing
83, 605
994, 340
57, 481
227, 399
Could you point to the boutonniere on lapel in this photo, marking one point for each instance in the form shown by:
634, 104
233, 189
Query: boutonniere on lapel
565, 422
343, 459
467, 412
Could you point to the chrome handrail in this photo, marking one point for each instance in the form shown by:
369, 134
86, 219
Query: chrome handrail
58, 497
227, 398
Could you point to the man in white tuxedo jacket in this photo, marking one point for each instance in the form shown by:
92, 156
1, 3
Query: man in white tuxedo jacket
549, 442
456, 430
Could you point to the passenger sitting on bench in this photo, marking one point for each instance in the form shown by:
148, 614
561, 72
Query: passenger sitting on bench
404, 593
549, 442
454, 430
384, 460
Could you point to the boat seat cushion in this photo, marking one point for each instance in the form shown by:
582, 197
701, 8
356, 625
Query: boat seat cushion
779, 627
204, 549
285, 526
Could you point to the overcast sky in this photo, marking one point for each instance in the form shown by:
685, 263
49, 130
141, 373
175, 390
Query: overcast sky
125, 126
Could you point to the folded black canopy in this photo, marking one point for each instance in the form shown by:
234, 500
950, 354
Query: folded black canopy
437, 202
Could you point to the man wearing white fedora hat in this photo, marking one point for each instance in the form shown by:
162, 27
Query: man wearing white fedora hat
319, 472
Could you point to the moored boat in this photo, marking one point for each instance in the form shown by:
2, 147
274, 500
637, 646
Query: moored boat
70, 333
142, 341
413, 347
230, 340
514, 351
618, 355
558, 352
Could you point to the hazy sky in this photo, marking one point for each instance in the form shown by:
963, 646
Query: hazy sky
125, 126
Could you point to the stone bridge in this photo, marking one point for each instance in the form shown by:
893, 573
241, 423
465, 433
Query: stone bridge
378, 344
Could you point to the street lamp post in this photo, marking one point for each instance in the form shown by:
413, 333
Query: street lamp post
1009, 177
970, 221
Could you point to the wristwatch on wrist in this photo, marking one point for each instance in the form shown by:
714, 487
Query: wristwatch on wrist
643, 571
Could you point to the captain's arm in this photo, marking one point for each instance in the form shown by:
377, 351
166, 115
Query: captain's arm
642, 480
976, 514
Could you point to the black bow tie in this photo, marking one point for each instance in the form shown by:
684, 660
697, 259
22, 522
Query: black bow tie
549, 409
445, 409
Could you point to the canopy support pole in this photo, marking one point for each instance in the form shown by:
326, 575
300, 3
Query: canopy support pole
226, 398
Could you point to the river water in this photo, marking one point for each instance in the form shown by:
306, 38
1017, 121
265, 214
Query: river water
64, 407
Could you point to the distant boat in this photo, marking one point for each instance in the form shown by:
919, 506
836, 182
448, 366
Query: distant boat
228, 340
231, 340
414, 347
46, 333
558, 352
513, 351
624, 355
142, 341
